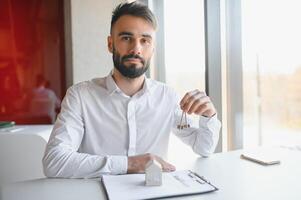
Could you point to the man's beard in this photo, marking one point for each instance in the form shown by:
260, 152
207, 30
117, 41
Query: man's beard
131, 71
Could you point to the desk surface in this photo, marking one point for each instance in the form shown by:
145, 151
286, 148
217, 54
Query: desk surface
236, 179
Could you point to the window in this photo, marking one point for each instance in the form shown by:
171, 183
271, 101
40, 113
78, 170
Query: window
31, 51
184, 45
271, 72
184, 53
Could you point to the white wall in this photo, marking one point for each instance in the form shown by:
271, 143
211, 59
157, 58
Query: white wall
89, 21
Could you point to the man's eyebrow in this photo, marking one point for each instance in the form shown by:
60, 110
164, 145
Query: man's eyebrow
147, 35
131, 34
125, 33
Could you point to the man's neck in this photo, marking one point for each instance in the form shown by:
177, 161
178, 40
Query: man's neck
129, 86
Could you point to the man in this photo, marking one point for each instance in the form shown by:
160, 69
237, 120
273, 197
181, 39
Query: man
116, 124
44, 100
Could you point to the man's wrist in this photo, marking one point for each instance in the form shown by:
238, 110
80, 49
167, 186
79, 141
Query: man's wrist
118, 164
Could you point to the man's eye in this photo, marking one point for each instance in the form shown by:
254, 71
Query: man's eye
146, 41
126, 38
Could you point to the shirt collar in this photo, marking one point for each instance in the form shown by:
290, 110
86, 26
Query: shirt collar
146, 86
112, 86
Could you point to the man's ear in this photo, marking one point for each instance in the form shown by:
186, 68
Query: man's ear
110, 44
153, 52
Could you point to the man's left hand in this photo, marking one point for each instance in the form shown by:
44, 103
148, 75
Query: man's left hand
197, 102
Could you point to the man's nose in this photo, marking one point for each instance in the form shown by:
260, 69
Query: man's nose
136, 48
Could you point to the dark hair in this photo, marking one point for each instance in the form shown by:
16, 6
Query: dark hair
135, 9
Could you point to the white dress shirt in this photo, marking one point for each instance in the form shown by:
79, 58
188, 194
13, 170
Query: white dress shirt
99, 127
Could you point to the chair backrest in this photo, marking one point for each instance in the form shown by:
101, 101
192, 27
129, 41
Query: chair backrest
21, 157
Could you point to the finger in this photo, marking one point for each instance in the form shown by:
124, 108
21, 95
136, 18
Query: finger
191, 100
206, 110
166, 167
187, 96
203, 108
198, 103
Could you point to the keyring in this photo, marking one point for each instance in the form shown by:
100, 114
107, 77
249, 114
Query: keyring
183, 123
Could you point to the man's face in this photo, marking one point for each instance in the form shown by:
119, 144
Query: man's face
132, 45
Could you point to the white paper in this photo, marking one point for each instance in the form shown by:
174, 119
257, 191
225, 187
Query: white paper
132, 186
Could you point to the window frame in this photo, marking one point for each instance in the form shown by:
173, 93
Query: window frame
223, 54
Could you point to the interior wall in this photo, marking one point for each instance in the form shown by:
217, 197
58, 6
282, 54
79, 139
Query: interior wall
89, 22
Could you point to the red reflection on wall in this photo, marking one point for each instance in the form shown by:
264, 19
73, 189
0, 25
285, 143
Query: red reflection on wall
32, 71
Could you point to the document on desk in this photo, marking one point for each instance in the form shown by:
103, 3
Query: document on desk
178, 183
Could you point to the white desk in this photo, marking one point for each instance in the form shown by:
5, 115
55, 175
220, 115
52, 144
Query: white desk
237, 179
21, 152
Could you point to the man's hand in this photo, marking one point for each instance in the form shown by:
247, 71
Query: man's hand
197, 102
136, 164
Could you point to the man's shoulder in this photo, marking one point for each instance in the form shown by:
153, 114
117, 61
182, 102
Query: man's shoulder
84, 85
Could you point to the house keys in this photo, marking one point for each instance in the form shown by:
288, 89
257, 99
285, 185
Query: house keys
183, 123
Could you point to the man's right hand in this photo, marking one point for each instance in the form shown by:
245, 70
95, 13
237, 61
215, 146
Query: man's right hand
136, 164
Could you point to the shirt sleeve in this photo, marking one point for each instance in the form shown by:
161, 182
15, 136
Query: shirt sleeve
62, 159
203, 137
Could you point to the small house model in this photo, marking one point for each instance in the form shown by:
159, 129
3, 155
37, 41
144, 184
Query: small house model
153, 173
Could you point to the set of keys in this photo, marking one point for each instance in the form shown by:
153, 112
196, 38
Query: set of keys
183, 123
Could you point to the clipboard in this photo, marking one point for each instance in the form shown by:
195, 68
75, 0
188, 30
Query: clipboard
178, 183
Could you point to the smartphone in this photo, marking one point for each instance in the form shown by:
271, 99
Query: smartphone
260, 159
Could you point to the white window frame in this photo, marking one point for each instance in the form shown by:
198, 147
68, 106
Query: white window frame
234, 73
214, 61
158, 63
224, 67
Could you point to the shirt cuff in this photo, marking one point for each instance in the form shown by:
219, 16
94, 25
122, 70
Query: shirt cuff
118, 164
212, 123
207, 120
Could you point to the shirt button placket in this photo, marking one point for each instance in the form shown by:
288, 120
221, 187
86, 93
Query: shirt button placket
132, 127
